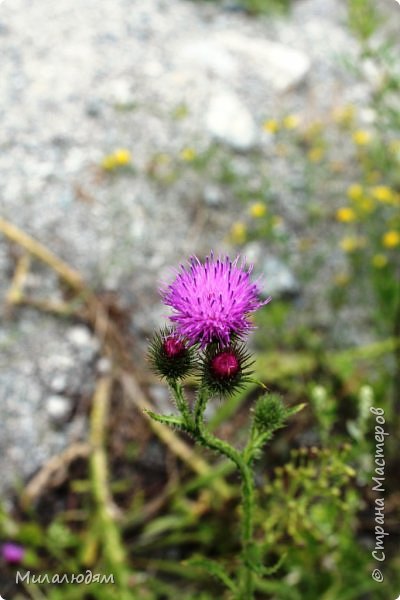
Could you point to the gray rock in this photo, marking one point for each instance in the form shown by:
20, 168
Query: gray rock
83, 341
230, 122
58, 408
277, 64
213, 196
278, 280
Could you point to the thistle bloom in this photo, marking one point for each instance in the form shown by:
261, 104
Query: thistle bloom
212, 301
12, 553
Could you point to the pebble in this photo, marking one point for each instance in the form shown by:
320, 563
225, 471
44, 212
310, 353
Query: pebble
229, 121
58, 408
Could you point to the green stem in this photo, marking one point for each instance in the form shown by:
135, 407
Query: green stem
181, 402
246, 584
200, 407
205, 438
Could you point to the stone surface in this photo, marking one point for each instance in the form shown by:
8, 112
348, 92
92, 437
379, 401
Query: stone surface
229, 121
58, 407
80, 79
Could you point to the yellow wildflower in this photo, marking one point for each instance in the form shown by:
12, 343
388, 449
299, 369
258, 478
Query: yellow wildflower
366, 205
394, 147
271, 126
315, 154
108, 163
238, 232
122, 157
344, 115
383, 193
188, 154
346, 214
291, 122
379, 261
391, 239
258, 209
361, 137
314, 129
350, 244
119, 158
342, 279
355, 191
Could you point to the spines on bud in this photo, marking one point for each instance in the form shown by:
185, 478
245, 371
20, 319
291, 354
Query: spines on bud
269, 413
225, 369
170, 356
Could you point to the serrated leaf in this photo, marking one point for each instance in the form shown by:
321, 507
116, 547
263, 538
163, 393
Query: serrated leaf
214, 568
166, 419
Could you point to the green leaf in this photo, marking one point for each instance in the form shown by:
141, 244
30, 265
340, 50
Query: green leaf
214, 569
166, 419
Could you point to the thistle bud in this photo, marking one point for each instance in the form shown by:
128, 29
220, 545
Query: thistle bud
269, 412
225, 369
169, 355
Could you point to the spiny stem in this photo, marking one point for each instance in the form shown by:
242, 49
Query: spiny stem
181, 402
200, 407
208, 440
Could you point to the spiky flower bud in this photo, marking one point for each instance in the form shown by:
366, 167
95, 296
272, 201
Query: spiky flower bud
225, 369
169, 355
269, 412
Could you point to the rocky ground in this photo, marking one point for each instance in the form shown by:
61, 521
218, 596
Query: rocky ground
79, 79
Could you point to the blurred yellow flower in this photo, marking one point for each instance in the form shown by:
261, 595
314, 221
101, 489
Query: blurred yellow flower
379, 261
291, 122
391, 239
355, 191
258, 209
188, 154
342, 279
316, 154
122, 157
383, 193
366, 205
119, 158
345, 214
271, 126
350, 244
344, 115
238, 232
361, 137
394, 147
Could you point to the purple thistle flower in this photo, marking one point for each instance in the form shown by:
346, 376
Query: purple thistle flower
212, 301
12, 553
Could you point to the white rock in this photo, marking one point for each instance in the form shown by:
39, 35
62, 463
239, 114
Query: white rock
79, 336
277, 279
280, 66
229, 121
206, 55
59, 383
58, 407
104, 365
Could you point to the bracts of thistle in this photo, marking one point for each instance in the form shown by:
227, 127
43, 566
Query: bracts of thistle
212, 303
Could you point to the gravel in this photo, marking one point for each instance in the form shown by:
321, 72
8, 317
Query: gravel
80, 79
